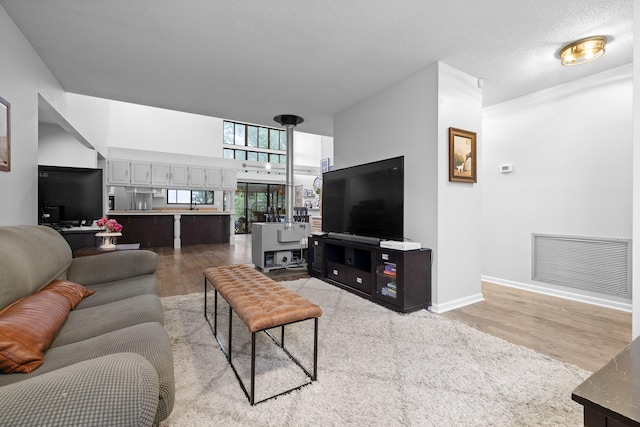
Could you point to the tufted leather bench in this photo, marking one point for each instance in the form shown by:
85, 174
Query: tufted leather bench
262, 304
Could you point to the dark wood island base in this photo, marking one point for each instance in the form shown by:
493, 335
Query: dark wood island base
155, 229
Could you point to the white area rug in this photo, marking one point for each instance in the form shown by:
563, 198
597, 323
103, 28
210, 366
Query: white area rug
376, 368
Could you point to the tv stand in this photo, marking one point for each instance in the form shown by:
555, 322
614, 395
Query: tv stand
398, 280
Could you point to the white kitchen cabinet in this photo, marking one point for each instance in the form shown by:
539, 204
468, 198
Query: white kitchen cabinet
229, 180
140, 173
160, 173
179, 176
118, 172
197, 177
167, 175
214, 179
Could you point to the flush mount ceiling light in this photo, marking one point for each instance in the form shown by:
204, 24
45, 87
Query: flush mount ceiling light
583, 51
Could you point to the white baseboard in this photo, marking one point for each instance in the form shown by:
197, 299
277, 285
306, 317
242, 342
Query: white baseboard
602, 302
452, 305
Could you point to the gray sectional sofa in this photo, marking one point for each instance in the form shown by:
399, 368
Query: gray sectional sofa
110, 361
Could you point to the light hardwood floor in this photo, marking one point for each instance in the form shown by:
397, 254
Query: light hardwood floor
581, 334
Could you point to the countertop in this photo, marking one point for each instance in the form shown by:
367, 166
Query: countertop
199, 211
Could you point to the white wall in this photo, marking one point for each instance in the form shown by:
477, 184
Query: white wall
89, 118
411, 118
307, 149
158, 132
140, 127
326, 151
22, 77
57, 148
155, 129
570, 147
399, 121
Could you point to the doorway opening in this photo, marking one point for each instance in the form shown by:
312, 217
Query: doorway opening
254, 201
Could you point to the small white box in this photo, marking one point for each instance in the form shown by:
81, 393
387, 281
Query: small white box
401, 246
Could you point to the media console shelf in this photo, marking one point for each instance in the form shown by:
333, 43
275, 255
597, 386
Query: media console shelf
399, 280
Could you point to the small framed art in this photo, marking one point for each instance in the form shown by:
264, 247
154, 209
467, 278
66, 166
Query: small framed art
462, 156
5, 136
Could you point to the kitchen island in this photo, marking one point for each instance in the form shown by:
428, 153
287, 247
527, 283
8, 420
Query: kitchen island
174, 227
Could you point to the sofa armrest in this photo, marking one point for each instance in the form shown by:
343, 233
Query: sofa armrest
112, 266
118, 389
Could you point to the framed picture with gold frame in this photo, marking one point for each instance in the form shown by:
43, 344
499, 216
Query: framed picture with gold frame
462, 156
5, 136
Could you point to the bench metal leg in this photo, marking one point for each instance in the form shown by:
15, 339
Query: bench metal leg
214, 327
215, 317
230, 334
252, 398
205, 297
315, 350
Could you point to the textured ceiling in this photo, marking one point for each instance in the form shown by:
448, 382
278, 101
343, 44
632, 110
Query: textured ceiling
250, 60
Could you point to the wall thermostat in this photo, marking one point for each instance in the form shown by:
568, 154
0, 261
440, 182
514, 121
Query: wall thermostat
506, 168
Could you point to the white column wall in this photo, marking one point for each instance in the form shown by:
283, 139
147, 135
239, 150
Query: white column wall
459, 204
570, 147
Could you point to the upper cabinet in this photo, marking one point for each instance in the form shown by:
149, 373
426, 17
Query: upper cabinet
140, 173
179, 176
169, 176
160, 174
197, 177
229, 179
165, 175
118, 172
214, 179
125, 172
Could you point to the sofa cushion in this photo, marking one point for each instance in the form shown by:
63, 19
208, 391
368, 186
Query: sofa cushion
90, 322
29, 325
119, 389
31, 256
149, 340
109, 292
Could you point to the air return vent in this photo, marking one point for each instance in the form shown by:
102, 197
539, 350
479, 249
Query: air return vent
593, 264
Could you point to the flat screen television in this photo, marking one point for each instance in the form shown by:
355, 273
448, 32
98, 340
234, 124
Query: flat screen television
69, 196
365, 200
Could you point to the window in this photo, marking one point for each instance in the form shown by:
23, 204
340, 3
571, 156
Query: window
263, 138
255, 143
199, 197
252, 136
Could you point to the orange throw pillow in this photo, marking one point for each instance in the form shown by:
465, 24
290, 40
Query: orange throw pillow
29, 325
